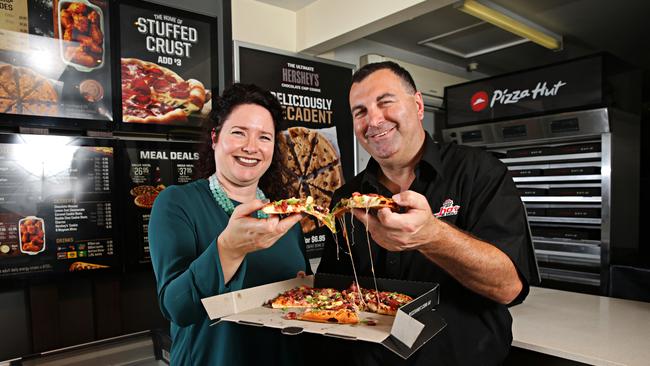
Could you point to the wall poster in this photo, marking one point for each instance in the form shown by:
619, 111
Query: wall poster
318, 135
168, 65
55, 60
149, 168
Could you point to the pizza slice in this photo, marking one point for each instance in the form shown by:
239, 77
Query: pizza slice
384, 302
380, 302
363, 201
40, 108
82, 266
289, 157
328, 179
323, 154
340, 208
144, 189
28, 81
155, 94
43, 93
300, 205
371, 200
8, 81
308, 297
145, 200
286, 206
303, 141
339, 316
7, 105
297, 297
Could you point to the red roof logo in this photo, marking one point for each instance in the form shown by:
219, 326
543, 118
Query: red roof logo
479, 101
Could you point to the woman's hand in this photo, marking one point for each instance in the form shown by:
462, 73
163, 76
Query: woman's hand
245, 234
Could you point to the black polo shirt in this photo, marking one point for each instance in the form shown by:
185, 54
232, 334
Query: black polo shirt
473, 191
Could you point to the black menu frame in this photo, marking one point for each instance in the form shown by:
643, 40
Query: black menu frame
213, 37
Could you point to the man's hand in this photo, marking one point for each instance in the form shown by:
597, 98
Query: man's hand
402, 231
478, 265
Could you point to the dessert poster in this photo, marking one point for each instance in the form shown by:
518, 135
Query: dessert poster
317, 140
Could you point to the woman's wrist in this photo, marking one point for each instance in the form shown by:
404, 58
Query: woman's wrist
226, 251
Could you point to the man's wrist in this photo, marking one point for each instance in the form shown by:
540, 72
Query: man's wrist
436, 229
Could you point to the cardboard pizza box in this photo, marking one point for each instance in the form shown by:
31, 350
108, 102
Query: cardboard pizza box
414, 325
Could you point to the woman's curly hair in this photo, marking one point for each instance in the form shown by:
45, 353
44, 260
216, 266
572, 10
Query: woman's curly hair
273, 182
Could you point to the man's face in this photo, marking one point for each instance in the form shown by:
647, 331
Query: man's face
387, 117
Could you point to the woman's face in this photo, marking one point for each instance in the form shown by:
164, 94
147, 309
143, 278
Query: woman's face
244, 148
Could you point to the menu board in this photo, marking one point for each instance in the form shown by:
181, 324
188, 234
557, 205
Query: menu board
55, 60
150, 167
319, 148
168, 65
56, 205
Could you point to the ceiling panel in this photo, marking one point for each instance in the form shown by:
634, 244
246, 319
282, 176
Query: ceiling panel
620, 27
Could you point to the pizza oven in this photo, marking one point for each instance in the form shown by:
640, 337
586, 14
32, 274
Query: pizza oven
578, 176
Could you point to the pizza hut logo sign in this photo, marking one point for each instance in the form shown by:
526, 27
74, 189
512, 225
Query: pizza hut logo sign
479, 100
448, 209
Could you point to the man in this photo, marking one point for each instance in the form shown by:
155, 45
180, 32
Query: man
464, 225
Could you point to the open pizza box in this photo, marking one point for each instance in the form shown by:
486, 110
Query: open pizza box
415, 323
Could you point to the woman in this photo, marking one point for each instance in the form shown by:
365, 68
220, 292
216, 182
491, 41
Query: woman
208, 238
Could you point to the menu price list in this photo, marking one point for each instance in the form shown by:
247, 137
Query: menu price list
56, 209
152, 167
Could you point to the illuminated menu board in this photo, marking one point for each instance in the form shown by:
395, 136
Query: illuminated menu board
150, 167
55, 62
168, 66
56, 205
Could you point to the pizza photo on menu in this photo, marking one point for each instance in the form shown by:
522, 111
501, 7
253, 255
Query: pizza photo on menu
155, 94
85, 266
314, 168
145, 195
25, 91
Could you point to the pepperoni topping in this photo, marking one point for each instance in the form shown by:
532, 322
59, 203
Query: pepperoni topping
180, 94
154, 71
141, 113
126, 73
161, 85
291, 315
140, 87
181, 90
141, 99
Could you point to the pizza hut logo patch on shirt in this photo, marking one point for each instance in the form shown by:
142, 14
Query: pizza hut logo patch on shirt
448, 209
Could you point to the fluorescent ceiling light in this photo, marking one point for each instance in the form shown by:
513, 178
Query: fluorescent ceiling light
511, 22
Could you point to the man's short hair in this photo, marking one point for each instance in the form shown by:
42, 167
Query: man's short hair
398, 70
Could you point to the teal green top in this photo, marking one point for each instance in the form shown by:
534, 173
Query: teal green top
184, 225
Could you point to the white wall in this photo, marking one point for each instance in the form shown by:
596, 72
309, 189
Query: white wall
263, 24
326, 24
